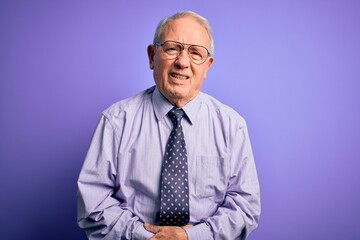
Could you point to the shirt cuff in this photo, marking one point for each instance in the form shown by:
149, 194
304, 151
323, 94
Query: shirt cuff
140, 233
198, 232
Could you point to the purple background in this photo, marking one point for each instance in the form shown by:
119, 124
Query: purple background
291, 68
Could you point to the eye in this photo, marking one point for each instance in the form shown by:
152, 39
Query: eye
172, 48
196, 54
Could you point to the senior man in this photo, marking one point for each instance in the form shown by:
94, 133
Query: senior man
171, 162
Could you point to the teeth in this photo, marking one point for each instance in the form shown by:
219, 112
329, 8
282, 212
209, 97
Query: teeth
179, 76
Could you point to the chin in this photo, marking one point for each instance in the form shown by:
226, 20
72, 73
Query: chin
179, 93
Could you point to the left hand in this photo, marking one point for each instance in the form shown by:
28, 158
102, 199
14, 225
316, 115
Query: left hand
167, 232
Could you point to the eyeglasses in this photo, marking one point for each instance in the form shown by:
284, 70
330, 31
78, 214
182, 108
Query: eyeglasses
172, 49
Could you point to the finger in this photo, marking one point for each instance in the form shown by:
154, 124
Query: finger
187, 226
152, 228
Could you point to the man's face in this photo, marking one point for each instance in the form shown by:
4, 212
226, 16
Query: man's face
179, 79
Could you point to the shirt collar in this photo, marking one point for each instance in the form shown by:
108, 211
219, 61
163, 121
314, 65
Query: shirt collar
162, 106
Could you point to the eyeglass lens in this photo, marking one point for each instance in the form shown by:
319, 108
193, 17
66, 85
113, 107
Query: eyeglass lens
173, 49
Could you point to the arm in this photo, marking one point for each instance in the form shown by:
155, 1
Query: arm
167, 232
239, 213
99, 213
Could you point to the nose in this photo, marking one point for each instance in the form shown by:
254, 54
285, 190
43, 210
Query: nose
183, 60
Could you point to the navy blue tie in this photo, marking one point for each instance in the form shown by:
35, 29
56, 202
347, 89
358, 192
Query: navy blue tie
174, 209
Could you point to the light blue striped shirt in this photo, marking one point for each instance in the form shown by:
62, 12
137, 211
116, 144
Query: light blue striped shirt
119, 184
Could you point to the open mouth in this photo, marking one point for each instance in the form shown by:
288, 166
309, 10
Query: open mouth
178, 76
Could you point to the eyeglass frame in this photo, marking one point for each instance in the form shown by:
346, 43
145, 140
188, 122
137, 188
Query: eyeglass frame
183, 47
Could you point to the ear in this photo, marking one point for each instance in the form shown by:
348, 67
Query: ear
151, 54
208, 63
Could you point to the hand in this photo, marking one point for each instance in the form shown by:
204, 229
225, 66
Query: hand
167, 232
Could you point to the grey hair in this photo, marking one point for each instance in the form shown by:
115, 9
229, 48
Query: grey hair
200, 19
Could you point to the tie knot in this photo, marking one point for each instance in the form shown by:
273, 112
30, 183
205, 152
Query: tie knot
176, 114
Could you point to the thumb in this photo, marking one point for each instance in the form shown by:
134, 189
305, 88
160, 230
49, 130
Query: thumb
152, 228
187, 226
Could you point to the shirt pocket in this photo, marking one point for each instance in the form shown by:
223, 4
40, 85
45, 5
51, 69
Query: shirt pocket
212, 174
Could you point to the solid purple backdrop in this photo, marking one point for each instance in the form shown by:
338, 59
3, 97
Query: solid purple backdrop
291, 68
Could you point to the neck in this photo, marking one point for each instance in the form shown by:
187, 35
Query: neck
177, 102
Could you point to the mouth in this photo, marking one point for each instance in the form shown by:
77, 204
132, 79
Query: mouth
179, 76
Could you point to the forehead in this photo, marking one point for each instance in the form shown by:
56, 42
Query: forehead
186, 30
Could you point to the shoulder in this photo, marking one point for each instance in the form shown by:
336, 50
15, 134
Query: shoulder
221, 111
129, 105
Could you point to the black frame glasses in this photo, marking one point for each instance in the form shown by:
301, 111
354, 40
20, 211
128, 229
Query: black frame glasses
173, 49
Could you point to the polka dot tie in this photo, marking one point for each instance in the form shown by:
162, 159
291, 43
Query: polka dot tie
174, 209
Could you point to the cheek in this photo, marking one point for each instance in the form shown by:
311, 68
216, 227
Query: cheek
161, 69
204, 72
199, 75
160, 76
